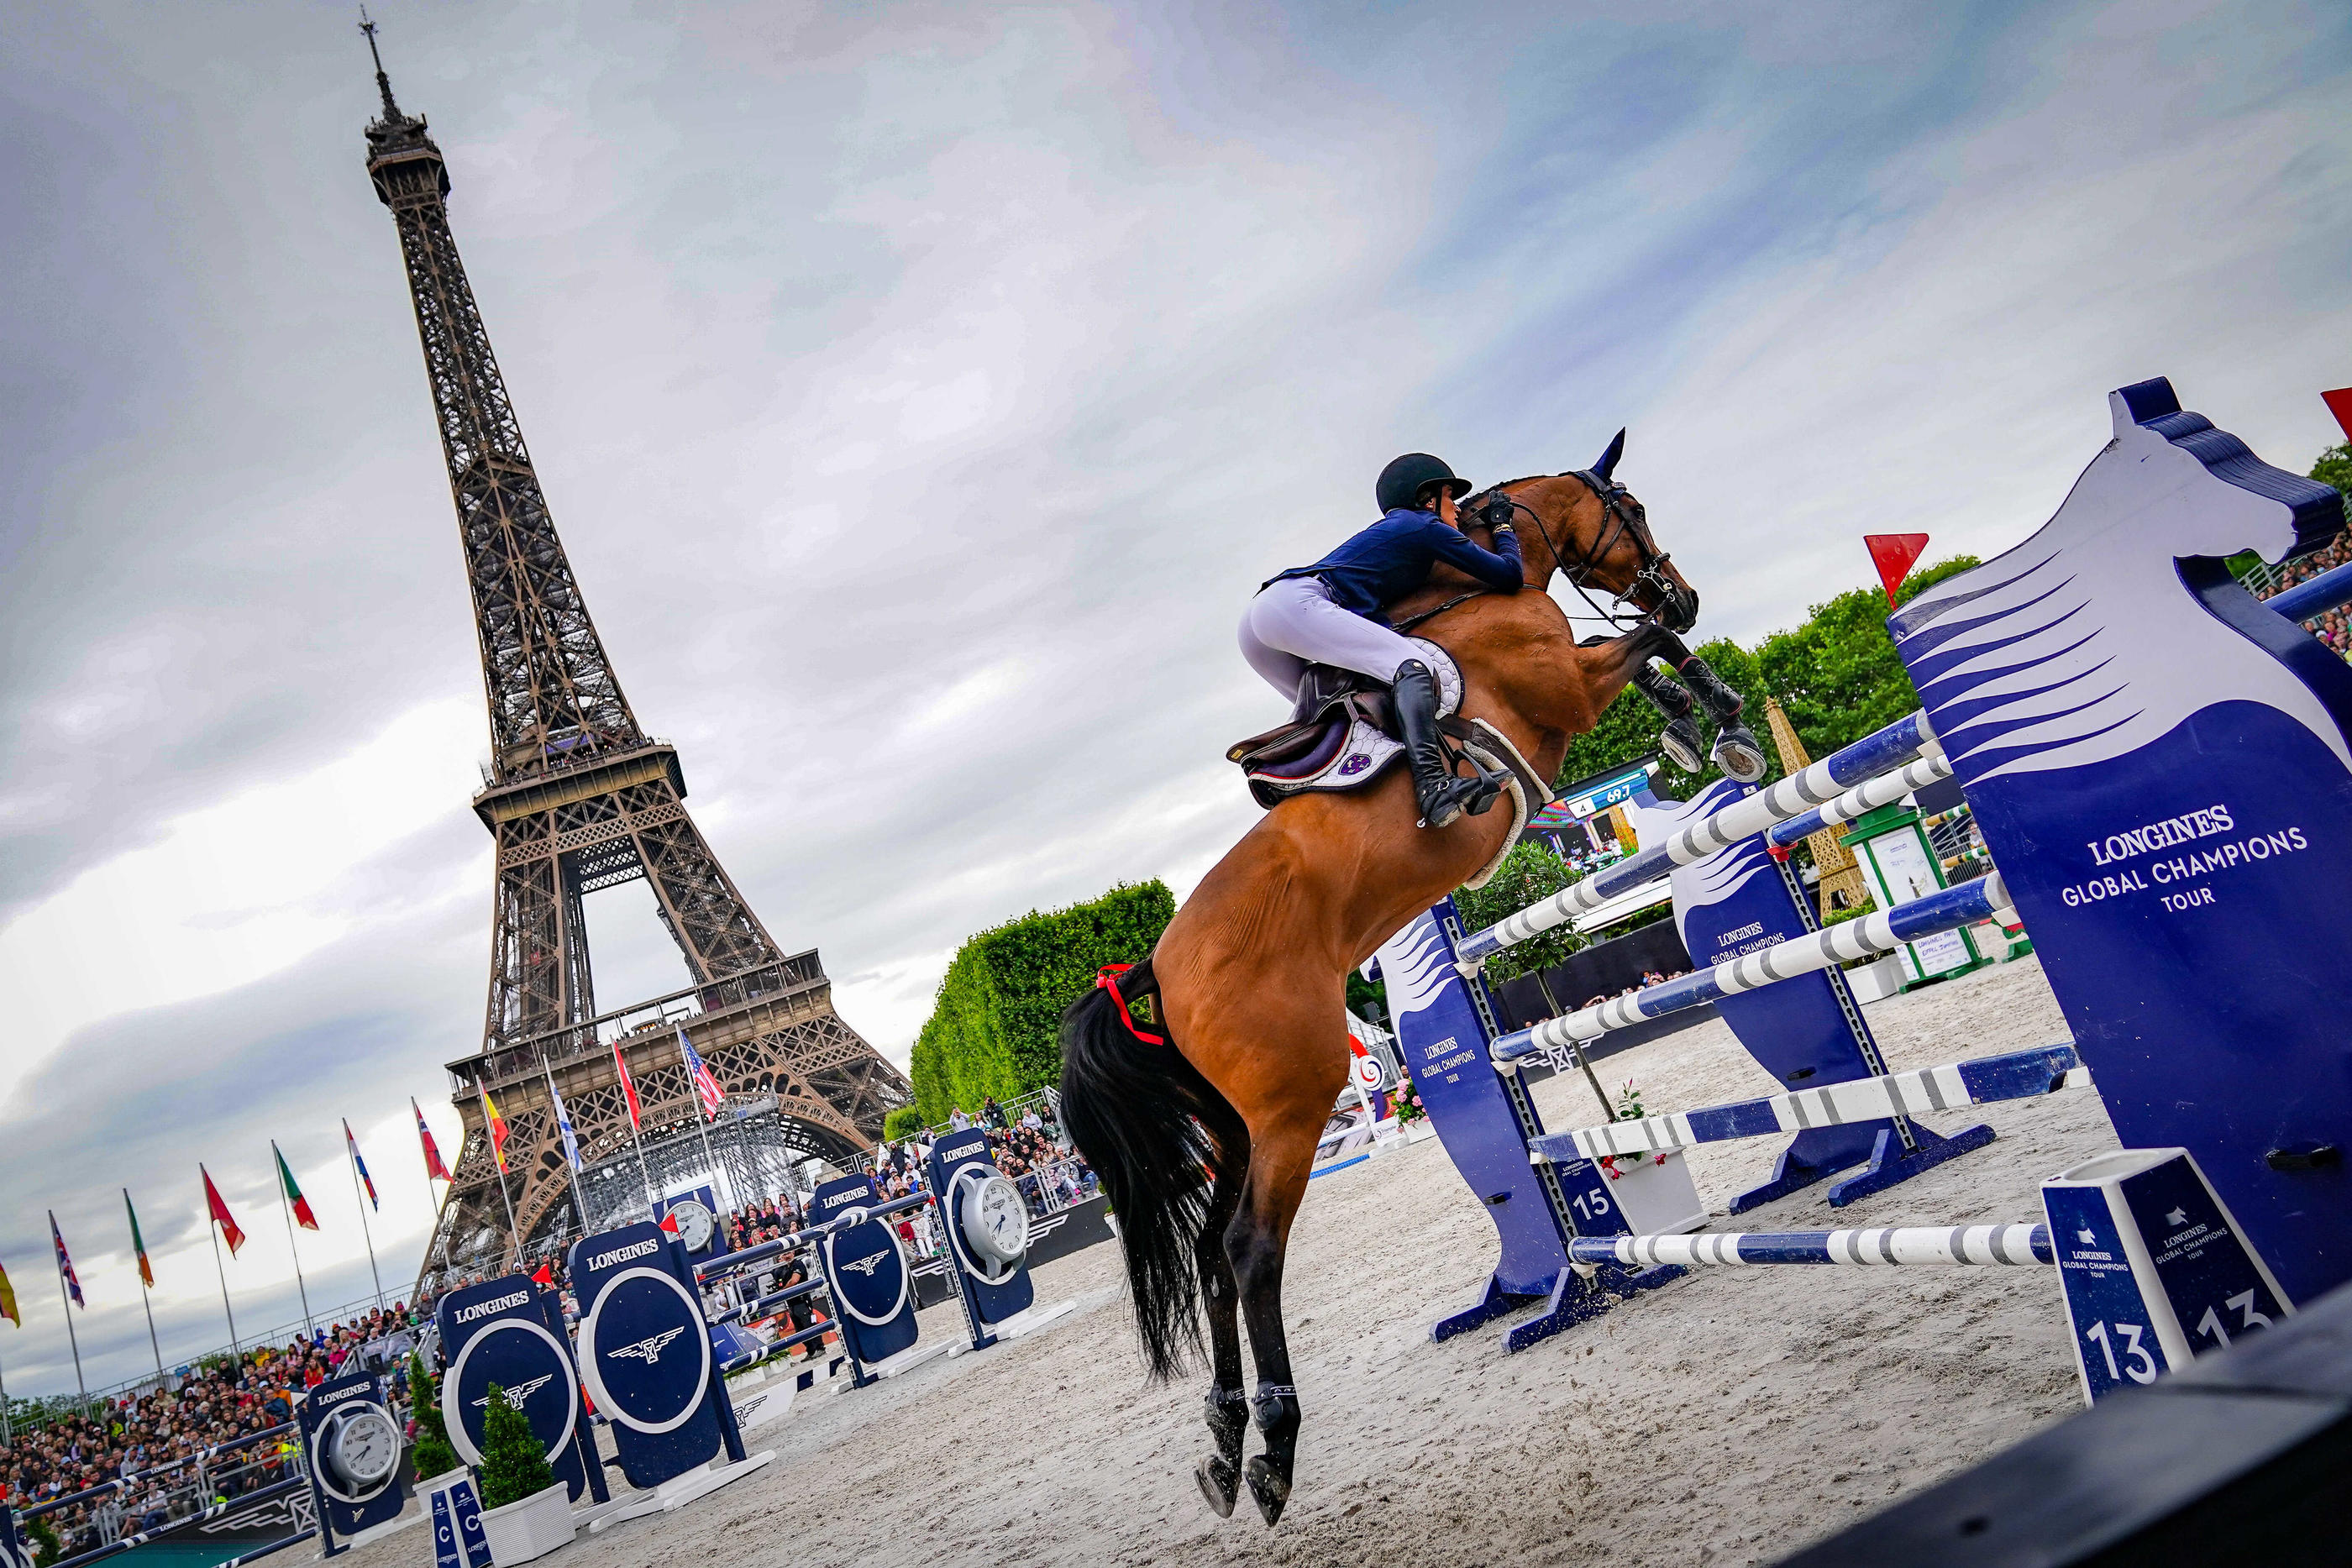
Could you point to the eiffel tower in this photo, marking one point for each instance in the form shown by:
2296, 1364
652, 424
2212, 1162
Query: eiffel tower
579, 798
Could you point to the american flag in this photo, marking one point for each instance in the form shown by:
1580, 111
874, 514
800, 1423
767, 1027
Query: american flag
704, 1085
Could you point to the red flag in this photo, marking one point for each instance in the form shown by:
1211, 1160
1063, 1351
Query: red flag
433, 1165
2339, 403
219, 1210
669, 1221
628, 1089
1894, 555
546, 1275
301, 1206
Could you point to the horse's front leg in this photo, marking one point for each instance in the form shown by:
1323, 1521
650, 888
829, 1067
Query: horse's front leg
1617, 663
1737, 750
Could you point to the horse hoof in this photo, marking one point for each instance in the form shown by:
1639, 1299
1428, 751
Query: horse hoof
1268, 1488
1220, 1483
1738, 753
1680, 742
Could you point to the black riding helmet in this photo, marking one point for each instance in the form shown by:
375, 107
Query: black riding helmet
1402, 481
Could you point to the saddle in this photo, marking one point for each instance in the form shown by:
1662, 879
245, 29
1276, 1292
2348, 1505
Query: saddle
1329, 698
1342, 734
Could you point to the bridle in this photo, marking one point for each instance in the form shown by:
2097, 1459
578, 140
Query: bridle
1626, 518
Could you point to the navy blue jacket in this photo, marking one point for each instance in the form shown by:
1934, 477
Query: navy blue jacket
1393, 558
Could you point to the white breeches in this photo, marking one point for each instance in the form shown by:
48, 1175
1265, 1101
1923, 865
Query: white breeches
1293, 624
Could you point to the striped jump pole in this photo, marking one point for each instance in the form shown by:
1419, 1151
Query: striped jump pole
1866, 796
1954, 907
1980, 1244
2012, 1075
1818, 786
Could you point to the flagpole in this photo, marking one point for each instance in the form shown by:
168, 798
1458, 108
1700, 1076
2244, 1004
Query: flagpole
636, 1130
71, 1338
514, 1231
7, 1428
212, 1229
144, 1289
432, 1201
287, 1208
694, 1095
555, 1103
351, 1148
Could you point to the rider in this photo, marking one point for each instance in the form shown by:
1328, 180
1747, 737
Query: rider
1326, 614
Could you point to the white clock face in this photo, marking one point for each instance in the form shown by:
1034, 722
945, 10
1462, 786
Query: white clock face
996, 1219
365, 1446
694, 1224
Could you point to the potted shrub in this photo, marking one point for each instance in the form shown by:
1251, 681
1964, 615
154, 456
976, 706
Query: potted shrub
526, 1512
434, 1457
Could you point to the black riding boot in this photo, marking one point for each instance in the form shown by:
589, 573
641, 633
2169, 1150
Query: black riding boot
1443, 795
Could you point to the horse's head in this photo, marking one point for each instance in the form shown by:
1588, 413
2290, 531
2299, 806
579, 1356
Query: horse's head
1591, 530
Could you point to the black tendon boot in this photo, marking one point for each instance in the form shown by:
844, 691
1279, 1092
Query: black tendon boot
1735, 750
1220, 1474
1277, 1408
1681, 740
1442, 796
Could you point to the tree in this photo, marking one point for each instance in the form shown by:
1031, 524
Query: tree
2335, 467
903, 1123
434, 1456
1531, 872
514, 1465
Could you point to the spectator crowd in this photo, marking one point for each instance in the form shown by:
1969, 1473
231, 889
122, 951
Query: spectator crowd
194, 1440
168, 1451
2331, 628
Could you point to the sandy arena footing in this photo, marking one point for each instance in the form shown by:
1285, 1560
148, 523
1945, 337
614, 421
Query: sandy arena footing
1729, 1418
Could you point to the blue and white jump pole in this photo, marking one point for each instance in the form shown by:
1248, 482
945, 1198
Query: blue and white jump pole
2161, 767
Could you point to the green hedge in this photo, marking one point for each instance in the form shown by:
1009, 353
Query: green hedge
996, 1027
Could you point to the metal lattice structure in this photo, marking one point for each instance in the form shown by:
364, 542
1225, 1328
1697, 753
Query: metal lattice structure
579, 798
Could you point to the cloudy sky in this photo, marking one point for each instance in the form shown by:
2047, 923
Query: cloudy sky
921, 390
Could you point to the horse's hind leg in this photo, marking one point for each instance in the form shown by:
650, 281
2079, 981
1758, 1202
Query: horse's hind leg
1220, 1474
1280, 1158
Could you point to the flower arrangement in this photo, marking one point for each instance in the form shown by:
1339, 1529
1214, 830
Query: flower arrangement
1629, 1109
1405, 1101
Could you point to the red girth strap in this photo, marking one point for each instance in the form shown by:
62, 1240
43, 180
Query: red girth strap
1107, 979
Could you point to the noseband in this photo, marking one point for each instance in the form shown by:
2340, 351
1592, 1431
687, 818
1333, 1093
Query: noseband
1623, 521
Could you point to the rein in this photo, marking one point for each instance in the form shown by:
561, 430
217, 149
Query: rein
1622, 521
1499, 506
1410, 621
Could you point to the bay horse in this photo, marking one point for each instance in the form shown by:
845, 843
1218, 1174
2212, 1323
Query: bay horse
1202, 1122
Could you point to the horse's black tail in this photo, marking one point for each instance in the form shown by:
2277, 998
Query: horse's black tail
1150, 1124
